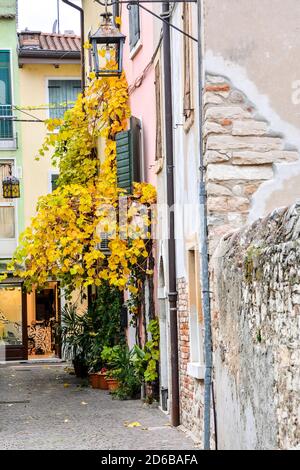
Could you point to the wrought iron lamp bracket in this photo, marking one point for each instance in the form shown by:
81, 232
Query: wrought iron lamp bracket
164, 17
114, 2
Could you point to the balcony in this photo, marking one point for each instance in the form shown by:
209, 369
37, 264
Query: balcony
8, 136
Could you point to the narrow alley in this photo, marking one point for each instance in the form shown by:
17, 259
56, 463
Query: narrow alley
43, 407
149, 228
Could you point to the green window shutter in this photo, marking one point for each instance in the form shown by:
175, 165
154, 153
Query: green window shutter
135, 130
124, 161
129, 156
62, 95
134, 25
6, 125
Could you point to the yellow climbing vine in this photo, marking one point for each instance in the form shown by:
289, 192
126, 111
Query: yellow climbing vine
63, 239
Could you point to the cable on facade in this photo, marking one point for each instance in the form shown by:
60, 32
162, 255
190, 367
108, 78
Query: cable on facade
139, 80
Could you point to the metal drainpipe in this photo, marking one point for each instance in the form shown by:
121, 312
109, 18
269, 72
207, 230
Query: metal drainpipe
81, 11
204, 251
175, 415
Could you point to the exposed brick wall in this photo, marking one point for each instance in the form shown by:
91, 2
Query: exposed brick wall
191, 390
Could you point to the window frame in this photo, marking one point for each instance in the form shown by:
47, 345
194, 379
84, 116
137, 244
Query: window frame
10, 244
188, 112
134, 47
12, 95
195, 367
57, 78
52, 172
159, 121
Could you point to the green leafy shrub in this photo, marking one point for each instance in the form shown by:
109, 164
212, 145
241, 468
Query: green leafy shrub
85, 335
121, 364
103, 321
147, 359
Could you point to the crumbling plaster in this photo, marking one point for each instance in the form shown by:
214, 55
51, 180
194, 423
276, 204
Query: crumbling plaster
256, 52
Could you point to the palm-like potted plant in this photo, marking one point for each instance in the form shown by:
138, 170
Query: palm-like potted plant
75, 341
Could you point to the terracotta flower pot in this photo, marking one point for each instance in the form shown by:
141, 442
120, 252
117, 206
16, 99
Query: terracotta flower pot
113, 384
94, 380
103, 385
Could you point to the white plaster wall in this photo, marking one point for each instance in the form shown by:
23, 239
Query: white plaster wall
186, 149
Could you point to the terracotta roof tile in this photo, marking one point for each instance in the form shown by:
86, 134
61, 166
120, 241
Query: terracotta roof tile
37, 41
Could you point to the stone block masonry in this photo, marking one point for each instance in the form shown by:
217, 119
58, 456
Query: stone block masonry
256, 312
240, 151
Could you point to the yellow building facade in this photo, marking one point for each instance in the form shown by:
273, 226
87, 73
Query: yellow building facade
34, 91
50, 80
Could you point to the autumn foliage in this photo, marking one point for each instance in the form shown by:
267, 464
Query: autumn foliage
62, 242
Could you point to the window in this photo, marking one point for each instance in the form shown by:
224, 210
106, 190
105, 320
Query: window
195, 308
7, 206
134, 26
54, 179
11, 315
62, 95
6, 125
188, 110
158, 152
53, 176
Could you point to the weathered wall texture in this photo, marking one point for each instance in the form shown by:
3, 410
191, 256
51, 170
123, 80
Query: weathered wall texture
254, 44
257, 334
240, 153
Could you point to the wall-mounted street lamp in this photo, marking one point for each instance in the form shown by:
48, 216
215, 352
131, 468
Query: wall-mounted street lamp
11, 188
107, 48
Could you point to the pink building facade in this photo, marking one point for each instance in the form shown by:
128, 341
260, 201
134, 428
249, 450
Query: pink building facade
137, 25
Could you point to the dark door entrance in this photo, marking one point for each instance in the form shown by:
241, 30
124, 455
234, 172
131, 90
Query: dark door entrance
43, 322
13, 321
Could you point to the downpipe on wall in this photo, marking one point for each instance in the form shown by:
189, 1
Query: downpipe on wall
175, 412
204, 251
76, 7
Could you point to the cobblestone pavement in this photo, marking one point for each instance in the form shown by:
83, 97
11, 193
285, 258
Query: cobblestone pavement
43, 407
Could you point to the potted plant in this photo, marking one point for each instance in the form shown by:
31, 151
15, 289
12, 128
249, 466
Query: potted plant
122, 377
75, 342
103, 384
147, 362
109, 356
102, 325
98, 380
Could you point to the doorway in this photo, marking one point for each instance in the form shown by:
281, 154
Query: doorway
43, 308
13, 321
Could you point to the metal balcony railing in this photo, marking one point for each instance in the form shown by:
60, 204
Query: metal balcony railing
7, 134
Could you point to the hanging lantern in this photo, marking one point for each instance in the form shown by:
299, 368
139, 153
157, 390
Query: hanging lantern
107, 48
11, 187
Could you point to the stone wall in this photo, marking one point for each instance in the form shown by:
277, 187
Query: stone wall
256, 324
240, 152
